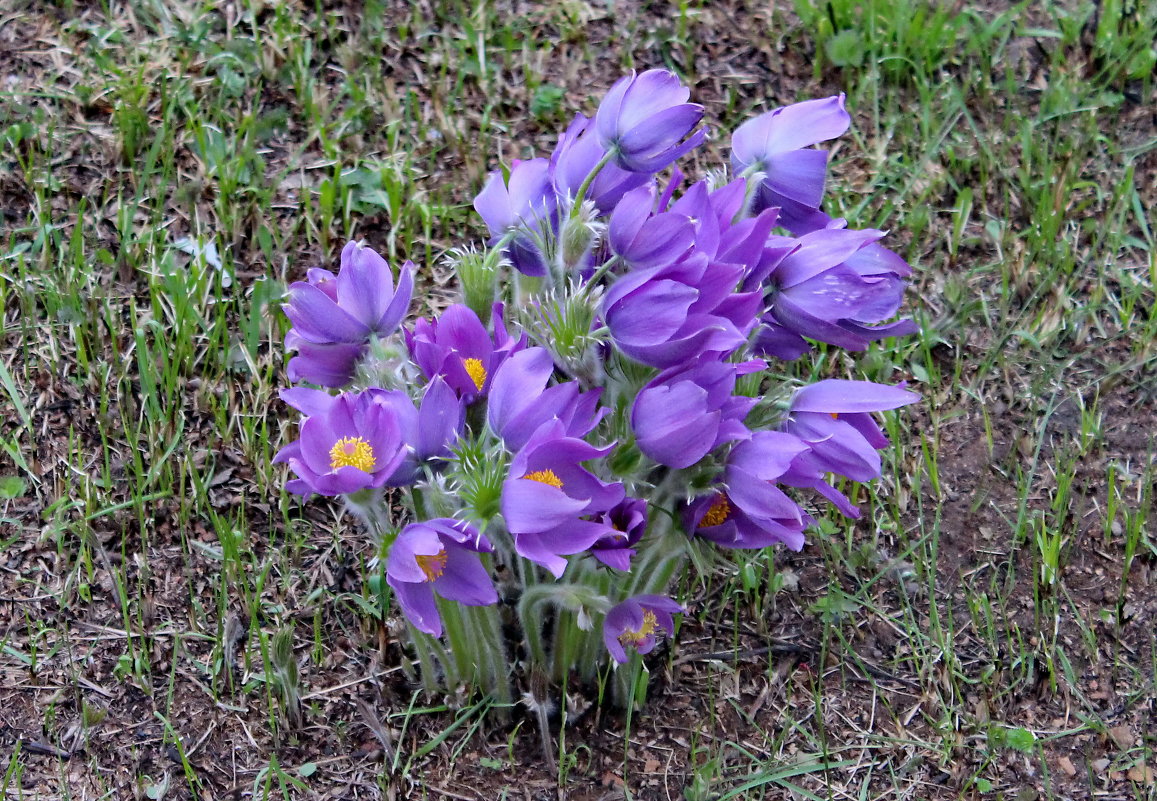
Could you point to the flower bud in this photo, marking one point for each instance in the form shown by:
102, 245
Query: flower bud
478, 276
580, 234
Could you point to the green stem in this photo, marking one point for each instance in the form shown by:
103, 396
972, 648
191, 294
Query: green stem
590, 179
419, 504
604, 268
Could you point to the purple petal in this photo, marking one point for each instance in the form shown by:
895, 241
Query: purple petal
317, 318
465, 579
417, 602
842, 396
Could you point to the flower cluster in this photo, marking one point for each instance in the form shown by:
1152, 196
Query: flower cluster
575, 429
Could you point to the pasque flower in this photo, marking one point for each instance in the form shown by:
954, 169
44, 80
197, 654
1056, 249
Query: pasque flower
686, 412
520, 401
354, 442
438, 556
778, 144
548, 493
643, 239
635, 623
628, 522
668, 315
428, 430
457, 347
832, 418
830, 287
523, 206
748, 510
335, 318
645, 119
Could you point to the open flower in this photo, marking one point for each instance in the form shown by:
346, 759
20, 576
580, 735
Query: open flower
335, 318
457, 347
352, 443
438, 556
547, 494
644, 118
748, 510
778, 144
635, 622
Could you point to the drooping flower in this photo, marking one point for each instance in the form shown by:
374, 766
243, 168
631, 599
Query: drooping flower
520, 401
438, 556
645, 120
748, 510
457, 347
778, 144
547, 494
353, 443
636, 621
525, 205
668, 315
335, 318
831, 287
686, 412
833, 418
628, 521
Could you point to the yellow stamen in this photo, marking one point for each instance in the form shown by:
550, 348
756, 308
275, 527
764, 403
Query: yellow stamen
717, 513
835, 415
433, 565
352, 452
636, 637
476, 371
545, 477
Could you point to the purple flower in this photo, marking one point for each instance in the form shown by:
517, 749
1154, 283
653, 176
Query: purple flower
520, 401
778, 144
335, 318
438, 556
686, 412
628, 521
577, 153
645, 240
457, 347
668, 315
832, 418
524, 204
548, 492
428, 430
644, 118
749, 511
829, 288
635, 622
351, 443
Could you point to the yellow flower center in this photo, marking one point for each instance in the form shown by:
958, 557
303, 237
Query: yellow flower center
433, 565
636, 637
717, 513
476, 372
545, 477
835, 415
352, 452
